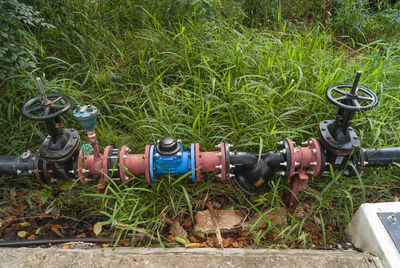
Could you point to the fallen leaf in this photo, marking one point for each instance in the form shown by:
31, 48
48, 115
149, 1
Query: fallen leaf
24, 224
22, 234
177, 230
33, 223
170, 237
195, 245
105, 245
181, 240
235, 244
13, 194
37, 231
55, 226
37, 200
193, 239
211, 241
65, 246
317, 220
199, 235
21, 205
97, 228
187, 223
82, 235
126, 242
32, 237
57, 232
228, 220
227, 242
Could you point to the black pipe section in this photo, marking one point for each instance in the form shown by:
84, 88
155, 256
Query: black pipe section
378, 157
20, 165
41, 242
251, 171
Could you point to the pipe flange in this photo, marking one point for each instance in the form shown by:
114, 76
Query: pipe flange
104, 174
315, 147
81, 175
197, 158
224, 157
309, 157
122, 156
289, 157
147, 163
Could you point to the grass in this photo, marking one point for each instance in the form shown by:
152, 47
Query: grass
202, 73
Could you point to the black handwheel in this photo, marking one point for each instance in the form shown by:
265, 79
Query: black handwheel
352, 97
51, 106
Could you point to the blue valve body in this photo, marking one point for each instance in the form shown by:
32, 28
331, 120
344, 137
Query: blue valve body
86, 116
178, 163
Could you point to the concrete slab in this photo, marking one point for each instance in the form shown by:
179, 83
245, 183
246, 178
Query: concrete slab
368, 233
180, 257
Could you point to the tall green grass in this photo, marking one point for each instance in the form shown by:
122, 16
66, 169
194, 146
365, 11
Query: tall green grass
200, 71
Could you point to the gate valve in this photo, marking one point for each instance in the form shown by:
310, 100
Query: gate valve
48, 107
336, 136
61, 145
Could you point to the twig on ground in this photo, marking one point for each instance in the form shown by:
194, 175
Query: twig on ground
141, 231
215, 223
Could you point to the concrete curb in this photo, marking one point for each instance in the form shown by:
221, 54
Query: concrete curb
180, 257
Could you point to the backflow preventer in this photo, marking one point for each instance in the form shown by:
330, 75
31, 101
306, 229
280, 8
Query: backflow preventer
61, 157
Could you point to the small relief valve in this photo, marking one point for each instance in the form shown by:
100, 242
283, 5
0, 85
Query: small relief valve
86, 116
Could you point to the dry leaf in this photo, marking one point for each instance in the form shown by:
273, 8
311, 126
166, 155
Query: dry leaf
13, 194
32, 237
187, 223
235, 244
170, 237
22, 234
195, 245
228, 220
177, 230
65, 246
55, 226
193, 239
97, 228
24, 224
57, 232
227, 242
105, 245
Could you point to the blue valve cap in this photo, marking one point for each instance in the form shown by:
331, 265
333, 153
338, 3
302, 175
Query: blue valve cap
86, 116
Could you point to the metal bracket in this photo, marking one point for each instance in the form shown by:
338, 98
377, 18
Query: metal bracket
391, 222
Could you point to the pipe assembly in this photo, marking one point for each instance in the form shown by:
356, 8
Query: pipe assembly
61, 157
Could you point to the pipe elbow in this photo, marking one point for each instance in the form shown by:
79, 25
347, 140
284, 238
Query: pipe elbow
253, 171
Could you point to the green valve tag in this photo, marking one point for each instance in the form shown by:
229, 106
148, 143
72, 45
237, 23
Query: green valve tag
87, 148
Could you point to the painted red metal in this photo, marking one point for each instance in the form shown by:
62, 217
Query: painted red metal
122, 165
223, 161
147, 163
135, 163
104, 172
304, 161
209, 161
97, 164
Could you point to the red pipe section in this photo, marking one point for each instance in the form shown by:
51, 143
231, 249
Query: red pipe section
97, 164
304, 161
